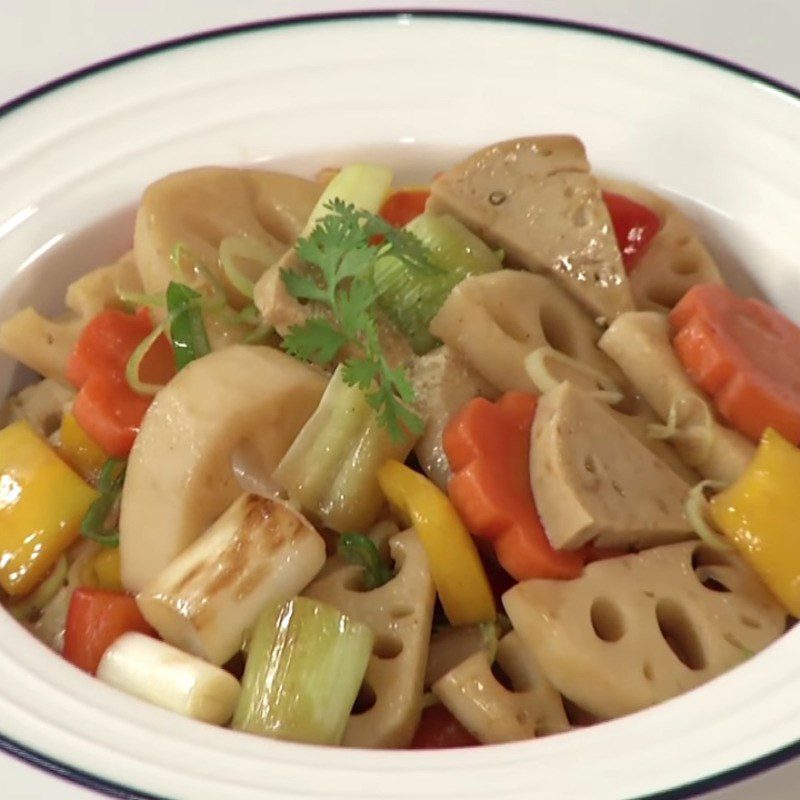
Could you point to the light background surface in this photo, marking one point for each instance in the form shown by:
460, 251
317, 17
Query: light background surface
41, 40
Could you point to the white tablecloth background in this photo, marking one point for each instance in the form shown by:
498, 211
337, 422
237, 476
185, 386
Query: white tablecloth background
43, 39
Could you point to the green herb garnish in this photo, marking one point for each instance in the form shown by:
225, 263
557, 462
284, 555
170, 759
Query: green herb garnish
341, 252
355, 548
97, 525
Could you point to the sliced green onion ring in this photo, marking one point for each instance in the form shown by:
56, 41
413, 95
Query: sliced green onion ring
544, 380
137, 356
232, 248
695, 509
678, 431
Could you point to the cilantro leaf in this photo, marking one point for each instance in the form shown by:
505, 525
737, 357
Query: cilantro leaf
302, 287
340, 253
317, 341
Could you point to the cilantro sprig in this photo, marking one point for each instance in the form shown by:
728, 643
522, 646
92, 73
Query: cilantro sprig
340, 253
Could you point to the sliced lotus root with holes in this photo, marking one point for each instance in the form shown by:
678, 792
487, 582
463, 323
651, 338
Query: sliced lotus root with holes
536, 199
399, 613
45, 345
636, 630
494, 714
494, 321
675, 259
198, 208
443, 383
594, 481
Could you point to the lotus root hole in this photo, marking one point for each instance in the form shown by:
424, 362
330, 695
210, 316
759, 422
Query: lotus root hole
680, 634
607, 620
387, 647
365, 700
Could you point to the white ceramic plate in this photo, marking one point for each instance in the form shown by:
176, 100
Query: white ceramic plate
418, 92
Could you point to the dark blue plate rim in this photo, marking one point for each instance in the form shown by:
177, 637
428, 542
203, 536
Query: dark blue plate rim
116, 790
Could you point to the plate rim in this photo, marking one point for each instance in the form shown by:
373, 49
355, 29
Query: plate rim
79, 777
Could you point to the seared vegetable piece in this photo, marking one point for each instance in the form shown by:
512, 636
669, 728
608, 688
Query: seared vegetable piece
95, 620
491, 712
594, 481
488, 445
759, 514
170, 678
411, 298
674, 260
42, 502
45, 345
509, 315
456, 567
640, 345
636, 630
399, 614
744, 353
187, 437
535, 198
330, 468
258, 552
199, 208
305, 664
443, 382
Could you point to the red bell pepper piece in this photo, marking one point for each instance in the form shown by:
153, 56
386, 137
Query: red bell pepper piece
95, 620
635, 226
404, 205
438, 728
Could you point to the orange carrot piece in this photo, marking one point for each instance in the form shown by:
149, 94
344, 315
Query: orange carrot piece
745, 354
106, 407
487, 445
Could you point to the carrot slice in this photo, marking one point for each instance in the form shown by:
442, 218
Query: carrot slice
745, 354
106, 407
404, 205
438, 729
487, 445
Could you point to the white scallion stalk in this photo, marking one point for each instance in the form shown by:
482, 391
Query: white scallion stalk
258, 552
305, 665
169, 678
544, 380
362, 185
695, 509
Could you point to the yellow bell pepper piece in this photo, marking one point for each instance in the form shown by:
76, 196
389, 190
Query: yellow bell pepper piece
760, 513
42, 502
456, 567
104, 570
79, 451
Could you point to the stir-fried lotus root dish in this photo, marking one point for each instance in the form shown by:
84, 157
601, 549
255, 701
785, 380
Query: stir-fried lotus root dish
340, 462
